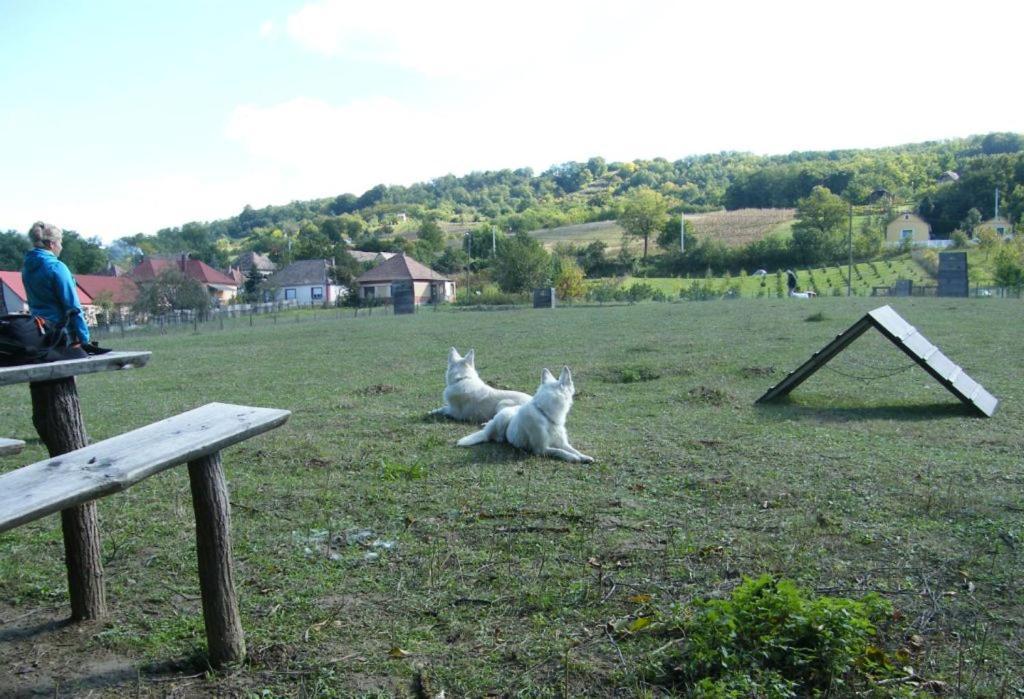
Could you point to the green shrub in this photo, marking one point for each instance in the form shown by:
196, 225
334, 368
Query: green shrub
771, 639
640, 291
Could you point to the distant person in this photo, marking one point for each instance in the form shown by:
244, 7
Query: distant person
51, 290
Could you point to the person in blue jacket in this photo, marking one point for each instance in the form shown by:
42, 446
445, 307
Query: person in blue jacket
50, 288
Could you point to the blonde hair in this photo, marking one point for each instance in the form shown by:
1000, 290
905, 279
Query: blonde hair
43, 233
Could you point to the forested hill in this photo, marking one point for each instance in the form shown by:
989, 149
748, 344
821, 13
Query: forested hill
915, 175
577, 192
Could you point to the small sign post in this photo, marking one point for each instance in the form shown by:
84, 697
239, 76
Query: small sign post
403, 297
544, 297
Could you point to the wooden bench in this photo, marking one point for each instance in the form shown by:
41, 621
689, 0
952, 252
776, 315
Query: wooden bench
196, 438
10, 446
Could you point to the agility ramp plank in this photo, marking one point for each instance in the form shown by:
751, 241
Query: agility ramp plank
911, 342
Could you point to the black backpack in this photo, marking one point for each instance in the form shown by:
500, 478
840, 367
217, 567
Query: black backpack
26, 339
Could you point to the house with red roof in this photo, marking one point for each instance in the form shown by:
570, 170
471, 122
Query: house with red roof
116, 293
428, 286
15, 300
13, 296
218, 285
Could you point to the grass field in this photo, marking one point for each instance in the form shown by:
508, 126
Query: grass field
733, 228
374, 558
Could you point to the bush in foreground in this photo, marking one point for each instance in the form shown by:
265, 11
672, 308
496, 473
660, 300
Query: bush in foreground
771, 639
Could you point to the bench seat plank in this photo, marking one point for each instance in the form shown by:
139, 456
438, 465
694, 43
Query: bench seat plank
10, 446
114, 464
49, 371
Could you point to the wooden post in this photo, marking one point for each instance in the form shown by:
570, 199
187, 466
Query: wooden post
57, 417
224, 635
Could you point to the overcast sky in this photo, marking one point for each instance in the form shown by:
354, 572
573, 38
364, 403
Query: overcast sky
126, 117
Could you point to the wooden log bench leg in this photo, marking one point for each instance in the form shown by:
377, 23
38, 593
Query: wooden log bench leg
57, 417
71, 482
224, 636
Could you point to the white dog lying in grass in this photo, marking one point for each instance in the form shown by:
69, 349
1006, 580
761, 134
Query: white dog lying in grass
467, 397
537, 426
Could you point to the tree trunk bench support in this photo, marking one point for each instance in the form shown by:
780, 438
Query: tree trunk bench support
72, 481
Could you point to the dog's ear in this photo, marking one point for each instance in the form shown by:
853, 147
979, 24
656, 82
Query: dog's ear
565, 378
471, 357
453, 355
547, 377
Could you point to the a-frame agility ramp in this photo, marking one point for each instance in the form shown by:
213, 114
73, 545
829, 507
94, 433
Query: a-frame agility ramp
907, 338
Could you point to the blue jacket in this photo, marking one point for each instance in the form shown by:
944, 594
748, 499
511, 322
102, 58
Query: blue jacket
51, 291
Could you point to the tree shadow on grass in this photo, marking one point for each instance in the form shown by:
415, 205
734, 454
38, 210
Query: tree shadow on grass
786, 409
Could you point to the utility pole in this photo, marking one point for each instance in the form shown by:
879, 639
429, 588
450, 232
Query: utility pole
682, 232
849, 266
494, 243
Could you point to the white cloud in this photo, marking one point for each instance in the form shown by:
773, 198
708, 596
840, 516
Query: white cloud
267, 29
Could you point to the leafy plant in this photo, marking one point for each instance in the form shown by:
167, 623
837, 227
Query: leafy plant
769, 638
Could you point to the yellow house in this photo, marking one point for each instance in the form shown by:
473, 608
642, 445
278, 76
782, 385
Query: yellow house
907, 226
999, 224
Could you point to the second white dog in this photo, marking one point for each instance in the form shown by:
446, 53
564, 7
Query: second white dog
467, 397
537, 426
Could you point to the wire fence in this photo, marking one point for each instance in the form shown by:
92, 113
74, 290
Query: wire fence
235, 316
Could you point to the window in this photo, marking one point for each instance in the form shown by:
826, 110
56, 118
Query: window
368, 292
316, 293
289, 294
907, 233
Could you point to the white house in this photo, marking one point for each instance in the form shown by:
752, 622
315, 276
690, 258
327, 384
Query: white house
307, 282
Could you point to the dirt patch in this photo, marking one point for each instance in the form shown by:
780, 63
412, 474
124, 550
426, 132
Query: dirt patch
46, 655
630, 374
704, 394
756, 372
378, 389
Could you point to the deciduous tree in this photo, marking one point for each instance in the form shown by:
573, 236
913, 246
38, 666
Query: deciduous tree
522, 264
817, 233
643, 214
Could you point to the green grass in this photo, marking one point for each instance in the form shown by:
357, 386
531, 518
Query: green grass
372, 553
582, 234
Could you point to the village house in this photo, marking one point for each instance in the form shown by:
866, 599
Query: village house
94, 293
116, 294
428, 286
250, 260
218, 285
374, 257
307, 283
999, 224
13, 296
907, 227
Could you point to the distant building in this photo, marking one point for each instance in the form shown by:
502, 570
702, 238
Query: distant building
948, 176
119, 292
307, 282
218, 285
13, 296
428, 286
374, 257
907, 226
999, 224
248, 260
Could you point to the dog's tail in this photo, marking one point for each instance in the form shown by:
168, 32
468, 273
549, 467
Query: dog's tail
478, 437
